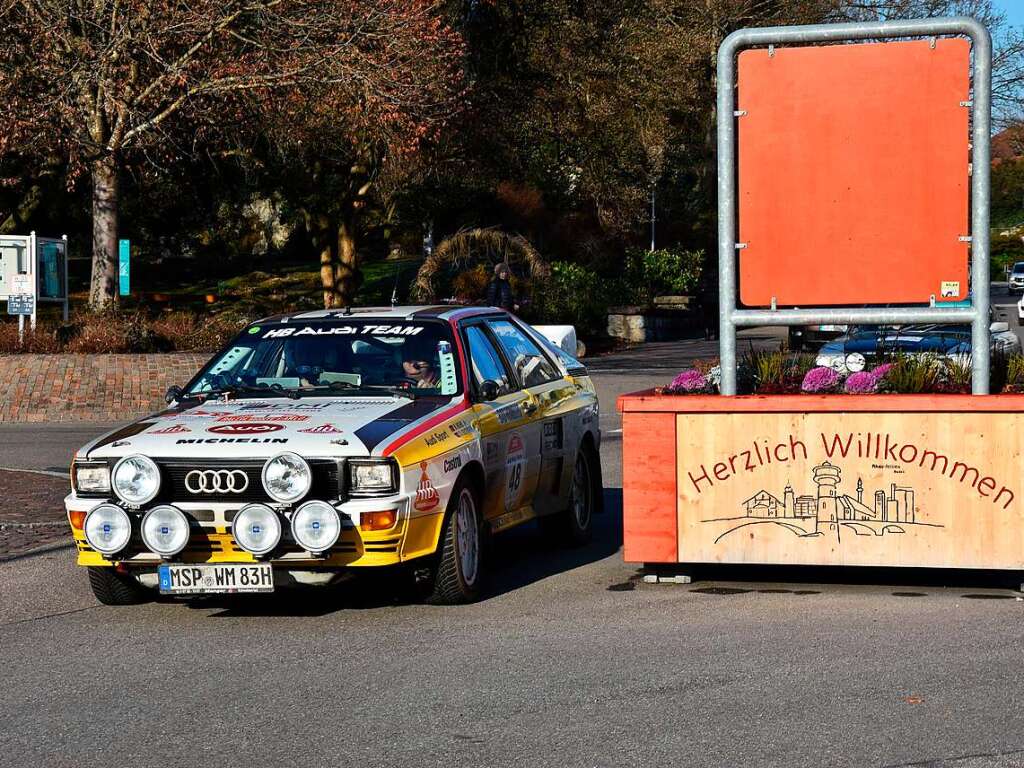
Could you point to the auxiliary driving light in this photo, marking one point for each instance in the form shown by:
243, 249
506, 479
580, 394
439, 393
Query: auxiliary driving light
257, 529
165, 530
107, 529
316, 526
287, 477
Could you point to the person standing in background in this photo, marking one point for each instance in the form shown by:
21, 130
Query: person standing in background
499, 290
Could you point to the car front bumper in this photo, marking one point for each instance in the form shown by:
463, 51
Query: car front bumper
413, 535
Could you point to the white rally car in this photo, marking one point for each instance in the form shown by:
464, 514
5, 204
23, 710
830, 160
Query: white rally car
322, 442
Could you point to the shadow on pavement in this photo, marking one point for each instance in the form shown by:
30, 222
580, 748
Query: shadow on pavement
518, 558
800, 576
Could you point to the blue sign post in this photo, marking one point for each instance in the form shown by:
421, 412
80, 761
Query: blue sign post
124, 266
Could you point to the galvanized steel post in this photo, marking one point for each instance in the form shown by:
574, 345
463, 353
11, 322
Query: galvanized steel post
978, 314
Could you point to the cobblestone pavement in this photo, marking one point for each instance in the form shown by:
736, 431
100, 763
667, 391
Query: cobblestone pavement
31, 513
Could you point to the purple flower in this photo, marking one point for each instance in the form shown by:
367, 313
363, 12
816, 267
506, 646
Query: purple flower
820, 380
880, 371
689, 381
861, 383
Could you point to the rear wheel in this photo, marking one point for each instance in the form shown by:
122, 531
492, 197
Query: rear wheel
459, 572
113, 588
574, 525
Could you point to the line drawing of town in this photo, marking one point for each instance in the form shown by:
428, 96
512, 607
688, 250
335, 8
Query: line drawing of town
827, 511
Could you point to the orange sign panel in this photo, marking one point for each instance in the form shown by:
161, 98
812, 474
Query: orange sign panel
853, 165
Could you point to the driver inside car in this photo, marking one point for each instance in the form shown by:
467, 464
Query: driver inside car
418, 362
305, 360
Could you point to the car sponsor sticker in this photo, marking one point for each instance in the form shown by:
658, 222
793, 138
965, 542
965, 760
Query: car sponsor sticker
437, 437
345, 330
323, 429
508, 413
264, 417
452, 463
515, 466
263, 406
245, 429
219, 440
174, 429
461, 428
553, 435
449, 381
427, 497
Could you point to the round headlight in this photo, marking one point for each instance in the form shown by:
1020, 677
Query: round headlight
316, 526
107, 529
136, 479
287, 477
256, 528
165, 530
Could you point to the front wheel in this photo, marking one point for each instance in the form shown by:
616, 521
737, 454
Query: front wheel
113, 588
459, 572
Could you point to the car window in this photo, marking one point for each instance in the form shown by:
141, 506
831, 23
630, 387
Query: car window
529, 363
485, 363
337, 355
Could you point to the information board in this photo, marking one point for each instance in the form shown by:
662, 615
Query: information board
20, 304
853, 173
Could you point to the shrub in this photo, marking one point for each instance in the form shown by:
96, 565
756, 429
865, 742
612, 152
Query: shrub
912, 374
658, 273
819, 380
573, 295
691, 382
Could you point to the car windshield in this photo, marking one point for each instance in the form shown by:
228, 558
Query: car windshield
308, 357
1018, 268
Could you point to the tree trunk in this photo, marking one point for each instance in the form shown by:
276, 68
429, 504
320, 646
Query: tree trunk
104, 286
339, 264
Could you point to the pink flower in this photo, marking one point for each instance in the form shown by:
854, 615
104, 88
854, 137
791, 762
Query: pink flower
689, 381
861, 383
880, 371
820, 380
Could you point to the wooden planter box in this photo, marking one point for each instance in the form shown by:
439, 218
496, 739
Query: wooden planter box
871, 480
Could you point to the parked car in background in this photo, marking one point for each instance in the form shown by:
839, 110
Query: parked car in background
803, 337
865, 346
1016, 281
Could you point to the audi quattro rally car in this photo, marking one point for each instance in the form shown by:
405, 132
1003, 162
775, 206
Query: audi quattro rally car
320, 442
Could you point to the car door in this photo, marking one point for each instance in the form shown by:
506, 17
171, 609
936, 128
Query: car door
510, 437
550, 406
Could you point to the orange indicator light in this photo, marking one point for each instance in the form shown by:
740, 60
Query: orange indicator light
378, 521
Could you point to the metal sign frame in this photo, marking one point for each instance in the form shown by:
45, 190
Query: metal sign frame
731, 318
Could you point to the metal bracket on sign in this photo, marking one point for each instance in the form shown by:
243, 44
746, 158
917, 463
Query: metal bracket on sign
967, 103
775, 304
964, 238
931, 300
931, 42
771, 51
740, 246
739, 113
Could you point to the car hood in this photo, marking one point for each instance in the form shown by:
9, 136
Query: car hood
312, 426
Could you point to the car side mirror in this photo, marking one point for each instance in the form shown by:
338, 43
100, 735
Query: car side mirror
1001, 327
173, 393
489, 390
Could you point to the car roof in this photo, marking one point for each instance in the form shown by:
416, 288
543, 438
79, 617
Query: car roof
441, 312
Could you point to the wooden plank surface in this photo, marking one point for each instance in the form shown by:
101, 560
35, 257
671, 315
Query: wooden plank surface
649, 488
648, 402
887, 489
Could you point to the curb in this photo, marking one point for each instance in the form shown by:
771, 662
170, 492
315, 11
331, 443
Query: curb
48, 473
37, 551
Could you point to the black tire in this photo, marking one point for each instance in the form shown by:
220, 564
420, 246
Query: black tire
113, 588
574, 525
453, 582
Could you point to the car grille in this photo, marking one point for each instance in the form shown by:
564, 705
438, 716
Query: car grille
326, 480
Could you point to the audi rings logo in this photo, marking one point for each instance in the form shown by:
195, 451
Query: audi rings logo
216, 481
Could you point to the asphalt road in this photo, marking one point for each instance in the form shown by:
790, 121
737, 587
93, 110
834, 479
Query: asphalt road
568, 661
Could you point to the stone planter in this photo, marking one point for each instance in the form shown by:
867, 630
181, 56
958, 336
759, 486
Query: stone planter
669, 318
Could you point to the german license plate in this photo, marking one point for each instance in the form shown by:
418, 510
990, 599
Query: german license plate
205, 579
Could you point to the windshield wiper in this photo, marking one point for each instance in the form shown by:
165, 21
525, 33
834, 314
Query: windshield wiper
234, 389
348, 386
